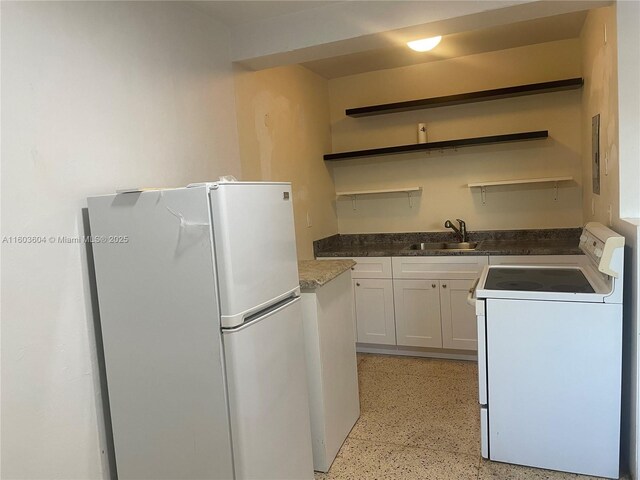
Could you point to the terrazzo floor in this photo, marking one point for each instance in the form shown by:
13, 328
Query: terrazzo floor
420, 420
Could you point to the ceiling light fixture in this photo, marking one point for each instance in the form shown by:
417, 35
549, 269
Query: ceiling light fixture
424, 44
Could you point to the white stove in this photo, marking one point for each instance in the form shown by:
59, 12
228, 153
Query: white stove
549, 359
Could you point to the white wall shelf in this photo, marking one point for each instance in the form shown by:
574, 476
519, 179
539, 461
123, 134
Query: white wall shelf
354, 194
553, 180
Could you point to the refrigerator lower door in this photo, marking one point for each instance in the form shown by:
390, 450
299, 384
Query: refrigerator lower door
268, 396
255, 247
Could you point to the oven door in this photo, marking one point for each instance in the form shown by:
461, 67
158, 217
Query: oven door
554, 385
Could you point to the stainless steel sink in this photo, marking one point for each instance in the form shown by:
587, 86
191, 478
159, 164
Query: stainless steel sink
444, 246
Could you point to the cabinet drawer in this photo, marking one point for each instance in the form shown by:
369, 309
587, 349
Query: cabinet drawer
367, 267
434, 268
372, 267
536, 259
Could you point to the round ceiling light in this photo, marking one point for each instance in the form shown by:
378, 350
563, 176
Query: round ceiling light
424, 44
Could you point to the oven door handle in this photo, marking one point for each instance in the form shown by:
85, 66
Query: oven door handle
471, 296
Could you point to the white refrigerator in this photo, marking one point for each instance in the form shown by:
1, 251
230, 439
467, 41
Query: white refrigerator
202, 331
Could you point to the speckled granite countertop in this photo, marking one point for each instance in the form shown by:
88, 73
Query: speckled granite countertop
491, 242
315, 273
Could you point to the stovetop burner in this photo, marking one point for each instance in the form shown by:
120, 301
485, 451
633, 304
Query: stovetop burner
572, 289
552, 272
568, 280
519, 285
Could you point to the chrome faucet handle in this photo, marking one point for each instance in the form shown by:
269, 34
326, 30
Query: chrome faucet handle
463, 230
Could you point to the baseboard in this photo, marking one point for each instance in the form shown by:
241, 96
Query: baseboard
416, 352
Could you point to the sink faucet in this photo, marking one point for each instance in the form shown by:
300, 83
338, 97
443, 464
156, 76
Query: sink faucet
460, 232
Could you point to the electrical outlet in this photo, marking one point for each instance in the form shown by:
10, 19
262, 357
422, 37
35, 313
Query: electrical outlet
610, 216
309, 220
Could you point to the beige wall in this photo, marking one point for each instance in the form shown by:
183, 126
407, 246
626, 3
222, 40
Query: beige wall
600, 95
283, 125
444, 176
603, 64
95, 96
628, 38
628, 60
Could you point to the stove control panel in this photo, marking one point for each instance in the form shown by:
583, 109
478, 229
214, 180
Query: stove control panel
604, 247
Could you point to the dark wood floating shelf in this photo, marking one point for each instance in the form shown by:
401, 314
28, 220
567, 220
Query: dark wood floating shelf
463, 142
470, 97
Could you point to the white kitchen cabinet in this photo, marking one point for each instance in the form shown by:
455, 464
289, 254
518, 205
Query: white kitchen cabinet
416, 301
459, 322
373, 300
448, 279
417, 312
375, 321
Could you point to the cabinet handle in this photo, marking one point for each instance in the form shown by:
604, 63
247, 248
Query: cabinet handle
357, 284
444, 286
433, 285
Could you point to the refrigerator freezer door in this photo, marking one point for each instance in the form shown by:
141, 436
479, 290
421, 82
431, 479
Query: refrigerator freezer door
255, 247
268, 398
161, 336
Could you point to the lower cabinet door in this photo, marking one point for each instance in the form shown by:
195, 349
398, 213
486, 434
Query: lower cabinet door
417, 307
375, 321
459, 322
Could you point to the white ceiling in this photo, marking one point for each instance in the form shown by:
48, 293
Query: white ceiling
290, 28
240, 12
501, 37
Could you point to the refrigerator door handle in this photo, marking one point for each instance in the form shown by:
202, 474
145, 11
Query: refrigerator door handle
238, 319
265, 313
